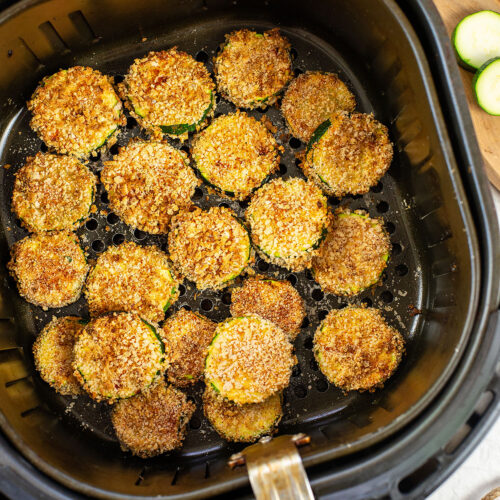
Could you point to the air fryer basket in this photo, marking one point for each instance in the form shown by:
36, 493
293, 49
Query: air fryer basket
430, 290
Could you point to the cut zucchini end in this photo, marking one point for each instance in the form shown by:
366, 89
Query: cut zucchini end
486, 85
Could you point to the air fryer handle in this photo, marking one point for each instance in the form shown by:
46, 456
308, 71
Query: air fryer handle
275, 468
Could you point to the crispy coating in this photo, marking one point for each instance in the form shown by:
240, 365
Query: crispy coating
169, 89
253, 68
353, 255
76, 111
148, 183
274, 300
134, 278
154, 421
249, 360
242, 423
288, 220
187, 336
356, 349
117, 356
50, 268
351, 155
53, 193
311, 98
210, 247
236, 154
53, 353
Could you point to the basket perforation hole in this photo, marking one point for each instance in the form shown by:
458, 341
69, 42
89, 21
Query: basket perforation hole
182, 290
185, 148
112, 218
131, 122
104, 198
224, 205
321, 385
263, 265
243, 204
305, 323
296, 371
317, 294
377, 188
309, 275
294, 143
292, 279
226, 298
118, 239
19, 223
115, 149
367, 302
98, 246
387, 296
96, 156
195, 422
308, 343
300, 391
322, 314
43, 147
293, 53
139, 235
91, 224
298, 162
382, 207
313, 364
198, 194
401, 270
298, 71
283, 169
206, 304
396, 249
202, 56
186, 306
390, 227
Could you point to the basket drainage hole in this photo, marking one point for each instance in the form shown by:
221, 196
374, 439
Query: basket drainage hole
98, 246
293, 53
401, 270
296, 371
223, 205
182, 290
43, 147
186, 306
226, 298
292, 279
263, 265
308, 343
206, 304
321, 385
305, 323
298, 162
367, 302
377, 188
283, 169
131, 122
314, 365
195, 423
202, 56
118, 239
198, 194
300, 391
114, 149
118, 78
243, 204
91, 224
390, 227
396, 249
294, 143
309, 275
139, 235
387, 297
322, 314
317, 294
104, 198
112, 218
382, 207
298, 71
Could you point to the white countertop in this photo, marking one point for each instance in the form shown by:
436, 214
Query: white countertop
480, 473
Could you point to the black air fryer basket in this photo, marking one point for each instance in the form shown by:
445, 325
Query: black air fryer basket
440, 288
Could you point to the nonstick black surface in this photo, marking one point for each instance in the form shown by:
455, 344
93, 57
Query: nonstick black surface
309, 398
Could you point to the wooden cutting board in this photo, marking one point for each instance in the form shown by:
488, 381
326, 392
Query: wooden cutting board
487, 127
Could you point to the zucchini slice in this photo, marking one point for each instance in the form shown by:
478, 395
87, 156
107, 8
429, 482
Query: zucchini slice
102, 356
486, 86
242, 423
249, 360
476, 38
356, 349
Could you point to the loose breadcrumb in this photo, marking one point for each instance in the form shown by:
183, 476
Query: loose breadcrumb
210, 247
148, 183
53, 354
242, 423
169, 92
353, 255
76, 111
351, 156
356, 349
117, 356
134, 278
253, 68
53, 192
50, 268
288, 220
274, 300
311, 98
153, 422
187, 336
249, 360
236, 154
